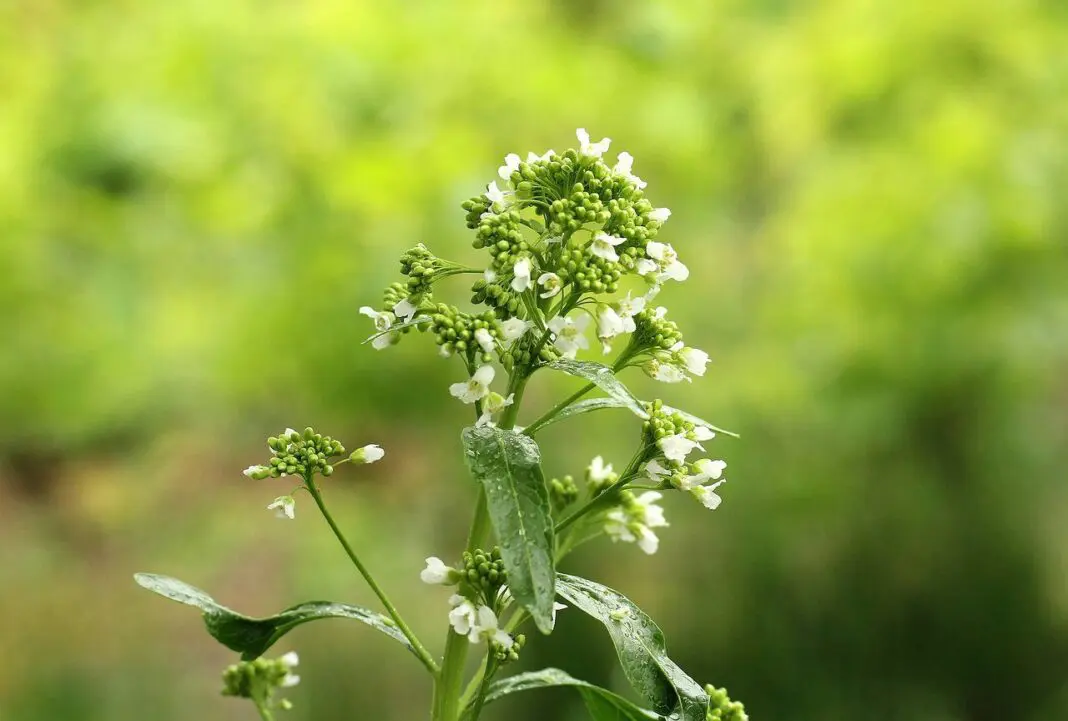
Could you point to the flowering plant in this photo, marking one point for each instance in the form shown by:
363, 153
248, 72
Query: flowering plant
563, 233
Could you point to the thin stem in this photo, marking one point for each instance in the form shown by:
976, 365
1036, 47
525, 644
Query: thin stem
265, 713
483, 686
606, 496
417, 647
552, 412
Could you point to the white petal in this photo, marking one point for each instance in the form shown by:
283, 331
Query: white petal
521, 273
484, 375
511, 164
660, 215
514, 328
625, 163
703, 433
290, 660
649, 541
645, 266
609, 324
484, 339
405, 309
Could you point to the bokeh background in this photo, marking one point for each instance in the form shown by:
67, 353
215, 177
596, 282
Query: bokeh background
196, 197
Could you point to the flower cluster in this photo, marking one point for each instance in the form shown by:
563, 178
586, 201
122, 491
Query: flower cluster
721, 708
634, 520
258, 680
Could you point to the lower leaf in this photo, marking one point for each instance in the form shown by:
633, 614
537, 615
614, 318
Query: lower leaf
602, 704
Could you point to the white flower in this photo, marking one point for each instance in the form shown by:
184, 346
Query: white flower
709, 470
645, 266
405, 309
660, 215
488, 630
569, 334
663, 372
495, 195
514, 328
623, 167
382, 319
521, 273
551, 283
367, 454
257, 472
703, 433
594, 150
604, 246
511, 164
635, 521
656, 472
485, 340
290, 661
694, 359
628, 308
283, 506
534, 158
609, 325
463, 617
707, 495
436, 572
494, 404
489, 275
677, 447
476, 388
598, 471
668, 260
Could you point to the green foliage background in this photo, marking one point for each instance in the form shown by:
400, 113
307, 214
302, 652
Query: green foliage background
196, 197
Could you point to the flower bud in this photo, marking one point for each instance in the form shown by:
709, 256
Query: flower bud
368, 454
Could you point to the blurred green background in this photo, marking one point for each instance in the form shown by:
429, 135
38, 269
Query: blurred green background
196, 197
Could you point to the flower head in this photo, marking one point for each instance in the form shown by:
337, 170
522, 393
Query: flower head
707, 495
485, 340
593, 150
283, 507
664, 372
257, 472
511, 164
623, 167
535, 158
667, 260
604, 246
660, 215
628, 308
464, 616
514, 328
521, 275
598, 471
569, 334
676, 447
495, 195
437, 573
633, 521
476, 388
492, 405
693, 360
609, 325
405, 309
551, 283
368, 454
289, 661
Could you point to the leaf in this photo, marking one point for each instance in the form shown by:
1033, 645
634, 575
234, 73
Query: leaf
602, 704
701, 422
590, 404
640, 646
604, 378
251, 637
506, 463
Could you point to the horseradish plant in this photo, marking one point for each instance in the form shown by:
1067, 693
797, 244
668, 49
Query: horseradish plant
562, 233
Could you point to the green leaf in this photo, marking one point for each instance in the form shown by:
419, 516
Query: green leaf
506, 463
586, 406
251, 637
641, 648
604, 378
702, 422
602, 704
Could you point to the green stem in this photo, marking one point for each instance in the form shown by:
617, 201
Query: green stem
608, 495
552, 412
417, 647
265, 713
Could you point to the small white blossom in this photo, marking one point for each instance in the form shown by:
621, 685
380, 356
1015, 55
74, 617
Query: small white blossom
623, 167
594, 150
609, 325
604, 246
476, 388
598, 471
290, 661
405, 309
677, 447
660, 215
707, 495
511, 164
664, 372
496, 196
646, 266
703, 433
668, 260
488, 630
628, 308
656, 472
382, 320
693, 359
491, 406
551, 283
485, 340
489, 275
514, 328
521, 273
710, 470
436, 572
534, 158
569, 334
463, 617
367, 454
634, 522
283, 507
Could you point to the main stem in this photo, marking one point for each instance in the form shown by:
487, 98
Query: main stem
446, 706
417, 647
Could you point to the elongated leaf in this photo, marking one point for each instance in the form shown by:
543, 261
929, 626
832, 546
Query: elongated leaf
602, 704
604, 378
251, 637
641, 649
702, 422
506, 463
586, 406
